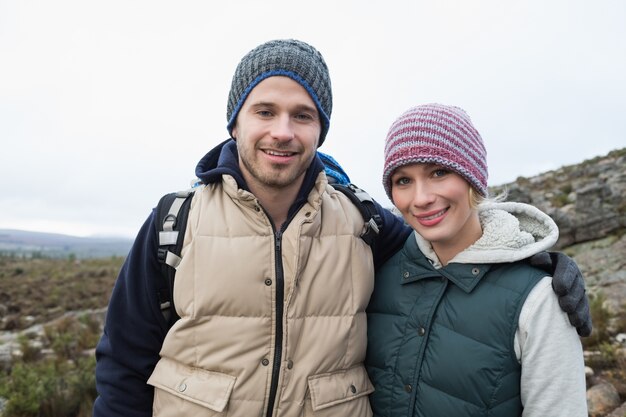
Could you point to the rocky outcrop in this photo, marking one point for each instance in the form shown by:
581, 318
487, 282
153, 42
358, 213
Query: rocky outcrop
587, 201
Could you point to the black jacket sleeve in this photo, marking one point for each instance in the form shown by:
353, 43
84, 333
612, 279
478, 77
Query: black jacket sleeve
391, 239
133, 334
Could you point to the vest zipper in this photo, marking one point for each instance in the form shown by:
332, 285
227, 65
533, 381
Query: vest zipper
278, 340
280, 306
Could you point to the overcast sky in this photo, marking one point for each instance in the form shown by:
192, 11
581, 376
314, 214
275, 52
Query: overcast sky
107, 105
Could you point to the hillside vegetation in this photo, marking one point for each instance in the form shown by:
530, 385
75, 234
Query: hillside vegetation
49, 330
38, 290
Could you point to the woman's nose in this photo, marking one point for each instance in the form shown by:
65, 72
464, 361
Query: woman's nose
423, 194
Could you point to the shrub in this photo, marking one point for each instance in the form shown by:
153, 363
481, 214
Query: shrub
561, 200
60, 386
49, 389
601, 319
30, 353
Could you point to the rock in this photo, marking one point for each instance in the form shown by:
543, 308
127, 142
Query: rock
585, 200
589, 376
6, 358
618, 412
28, 320
602, 399
603, 265
36, 344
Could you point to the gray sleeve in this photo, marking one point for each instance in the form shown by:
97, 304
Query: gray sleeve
549, 349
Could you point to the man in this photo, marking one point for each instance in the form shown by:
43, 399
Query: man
274, 279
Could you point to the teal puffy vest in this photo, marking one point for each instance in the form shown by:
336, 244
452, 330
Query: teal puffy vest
440, 342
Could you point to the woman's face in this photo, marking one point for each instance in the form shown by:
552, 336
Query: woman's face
435, 201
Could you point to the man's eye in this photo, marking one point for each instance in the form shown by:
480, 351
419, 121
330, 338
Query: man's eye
264, 113
304, 116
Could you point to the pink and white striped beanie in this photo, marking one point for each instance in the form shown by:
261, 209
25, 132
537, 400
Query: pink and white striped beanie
437, 134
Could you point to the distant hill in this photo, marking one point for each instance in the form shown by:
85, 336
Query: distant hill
38, 244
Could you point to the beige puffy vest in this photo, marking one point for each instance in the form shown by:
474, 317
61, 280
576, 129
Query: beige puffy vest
217, 359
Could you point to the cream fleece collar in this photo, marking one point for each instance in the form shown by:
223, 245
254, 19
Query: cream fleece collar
511, 232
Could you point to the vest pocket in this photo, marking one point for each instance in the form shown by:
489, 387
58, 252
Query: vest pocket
183, 390
343, 392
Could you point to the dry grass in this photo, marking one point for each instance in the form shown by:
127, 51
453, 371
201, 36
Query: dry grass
40, 290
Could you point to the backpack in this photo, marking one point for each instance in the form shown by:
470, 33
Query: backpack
171, 220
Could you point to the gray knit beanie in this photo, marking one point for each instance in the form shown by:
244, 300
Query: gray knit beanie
287, 57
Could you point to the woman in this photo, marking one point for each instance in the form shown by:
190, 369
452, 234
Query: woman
459, 323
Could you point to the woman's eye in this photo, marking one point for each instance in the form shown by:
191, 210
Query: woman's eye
440, 172
402, 181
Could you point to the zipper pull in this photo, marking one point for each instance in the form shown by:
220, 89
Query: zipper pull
279, 236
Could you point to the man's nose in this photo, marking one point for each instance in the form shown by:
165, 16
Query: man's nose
282, 128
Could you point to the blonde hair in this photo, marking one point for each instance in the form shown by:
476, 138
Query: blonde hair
475, 199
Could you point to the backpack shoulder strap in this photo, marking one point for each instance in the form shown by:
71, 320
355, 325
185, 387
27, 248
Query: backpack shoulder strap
171, 221
362, 200
338, 178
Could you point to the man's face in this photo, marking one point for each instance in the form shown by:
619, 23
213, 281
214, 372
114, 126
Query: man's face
277, 131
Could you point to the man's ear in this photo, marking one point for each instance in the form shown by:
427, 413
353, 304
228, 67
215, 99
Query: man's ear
233, 134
